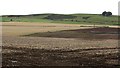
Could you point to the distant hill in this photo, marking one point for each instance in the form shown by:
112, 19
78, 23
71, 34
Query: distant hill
63, 18
59, 17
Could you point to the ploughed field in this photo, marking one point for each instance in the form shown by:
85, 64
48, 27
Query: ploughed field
48, 44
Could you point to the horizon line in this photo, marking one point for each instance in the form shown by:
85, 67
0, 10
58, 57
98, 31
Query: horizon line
53, 13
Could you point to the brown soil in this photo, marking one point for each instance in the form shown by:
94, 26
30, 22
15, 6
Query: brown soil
37, 51
91, 33
59, 46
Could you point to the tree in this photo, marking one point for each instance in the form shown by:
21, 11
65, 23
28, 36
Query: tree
104, 13
107, 13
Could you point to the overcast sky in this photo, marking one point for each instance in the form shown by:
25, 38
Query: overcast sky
22, 7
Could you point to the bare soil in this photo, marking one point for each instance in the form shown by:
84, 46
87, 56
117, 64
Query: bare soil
88, 33
85, 48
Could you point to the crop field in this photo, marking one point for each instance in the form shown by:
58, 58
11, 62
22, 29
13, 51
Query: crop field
23, 28
30, 44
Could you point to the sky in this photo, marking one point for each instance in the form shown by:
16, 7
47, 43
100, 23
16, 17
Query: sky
24, 7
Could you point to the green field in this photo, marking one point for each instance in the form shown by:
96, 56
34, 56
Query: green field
61, 18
